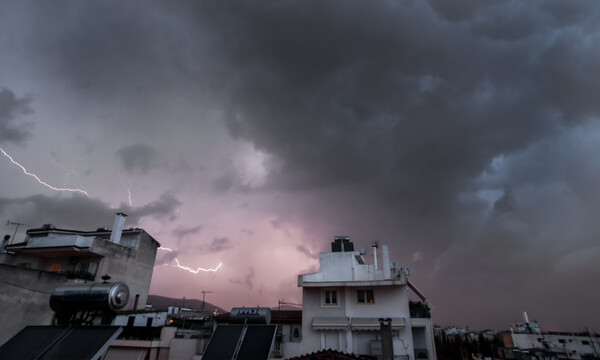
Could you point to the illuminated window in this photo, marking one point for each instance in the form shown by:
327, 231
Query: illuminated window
330, 297
56, 267
365, 296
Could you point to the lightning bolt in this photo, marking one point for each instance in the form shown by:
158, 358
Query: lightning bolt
68, 171
128, 189
183, 267
40, 180
198, 269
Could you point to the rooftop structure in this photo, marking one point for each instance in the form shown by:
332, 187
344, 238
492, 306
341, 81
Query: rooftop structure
348, 304
49, 257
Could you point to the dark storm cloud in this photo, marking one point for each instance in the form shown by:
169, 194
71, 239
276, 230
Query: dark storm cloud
12, 108
164, 257
78, 212
402, 110
465, 133
138, 158
219, 244
181, 232
164, 207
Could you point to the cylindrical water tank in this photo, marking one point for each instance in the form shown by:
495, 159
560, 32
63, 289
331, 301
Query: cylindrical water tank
258, 315
90, 296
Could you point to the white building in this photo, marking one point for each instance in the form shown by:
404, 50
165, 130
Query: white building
343, 303
527, 341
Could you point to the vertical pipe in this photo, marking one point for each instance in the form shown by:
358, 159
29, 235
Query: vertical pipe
117, 230
375, 254
385, 259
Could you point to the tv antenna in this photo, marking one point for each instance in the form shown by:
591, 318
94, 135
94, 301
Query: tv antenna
9, 223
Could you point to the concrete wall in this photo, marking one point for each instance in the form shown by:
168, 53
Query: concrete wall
25, 295
129, 265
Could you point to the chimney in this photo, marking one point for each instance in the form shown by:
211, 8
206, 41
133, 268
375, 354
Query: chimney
385, 258
525, 317
375, 254
115, 235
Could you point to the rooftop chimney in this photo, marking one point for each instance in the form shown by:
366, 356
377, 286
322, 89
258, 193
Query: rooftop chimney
385, 259
375, 254
115, 235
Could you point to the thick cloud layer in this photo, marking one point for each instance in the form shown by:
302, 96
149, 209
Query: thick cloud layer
11, 110
462, 135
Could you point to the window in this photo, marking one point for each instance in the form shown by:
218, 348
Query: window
585, 342
365, 296
330, 297
562, 341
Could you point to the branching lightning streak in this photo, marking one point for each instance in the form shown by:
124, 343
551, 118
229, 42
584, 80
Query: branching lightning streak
64, 168
198, 269
183, 267
40, 180
128, 189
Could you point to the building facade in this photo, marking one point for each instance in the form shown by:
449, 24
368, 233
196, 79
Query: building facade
345, 304
50, 257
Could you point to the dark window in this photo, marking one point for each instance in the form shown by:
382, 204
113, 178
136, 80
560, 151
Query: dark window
562, 341
585, 342
330, 297
296, 333
365, 296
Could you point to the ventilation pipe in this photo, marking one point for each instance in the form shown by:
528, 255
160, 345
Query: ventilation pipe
117, 230
4, 242
385, 262
525, 318
375, 254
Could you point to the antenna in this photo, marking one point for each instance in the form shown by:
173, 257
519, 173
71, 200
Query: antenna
8, 223
283, 302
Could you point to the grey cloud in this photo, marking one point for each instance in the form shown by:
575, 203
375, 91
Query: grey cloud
78, 212
506, 203
385, 121
12, 108
182, 232
219, 244
247, 280
138, 158
164, 207
306, 251
166, 257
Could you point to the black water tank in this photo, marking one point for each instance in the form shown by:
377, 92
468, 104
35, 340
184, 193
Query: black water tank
90, 296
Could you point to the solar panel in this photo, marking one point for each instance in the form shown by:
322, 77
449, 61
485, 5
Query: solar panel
257, 342
223, 342
84, 342
30, 342
59, 342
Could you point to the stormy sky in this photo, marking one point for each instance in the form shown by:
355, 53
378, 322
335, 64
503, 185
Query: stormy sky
464, 135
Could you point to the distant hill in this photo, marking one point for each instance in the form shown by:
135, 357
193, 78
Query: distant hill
162, 303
